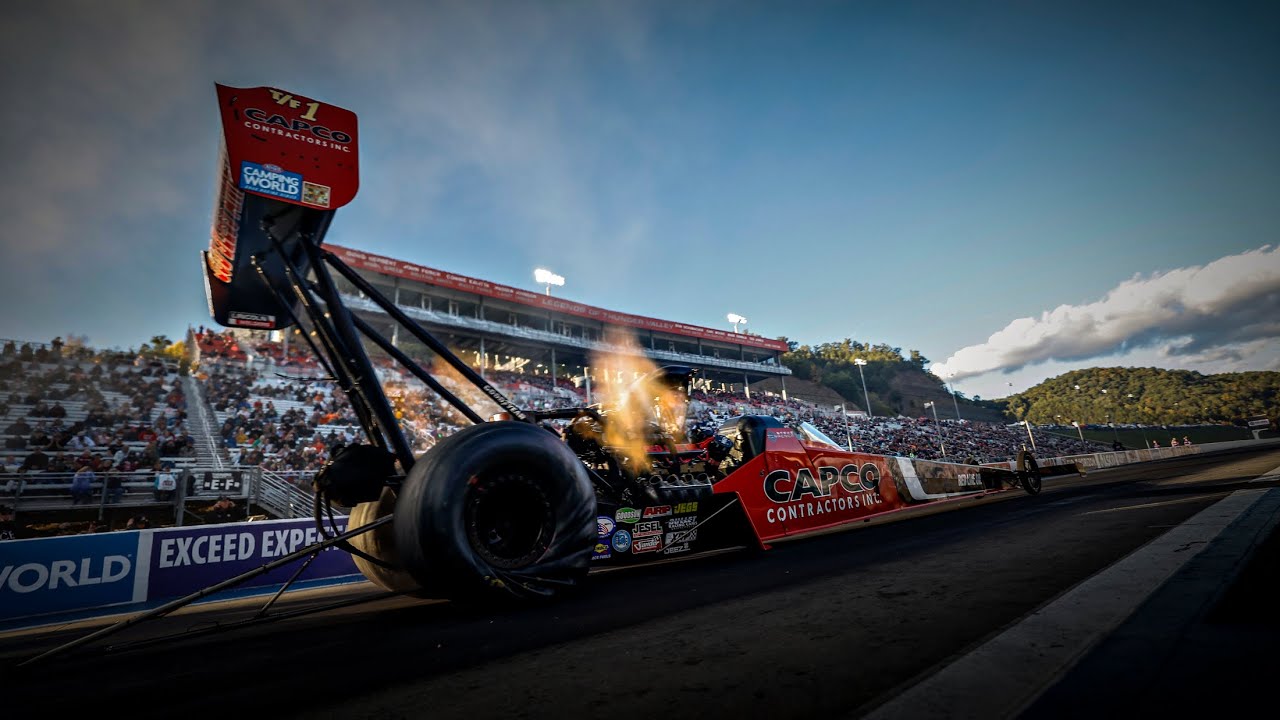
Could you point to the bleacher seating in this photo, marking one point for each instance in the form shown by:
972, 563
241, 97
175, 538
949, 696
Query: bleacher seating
63, 409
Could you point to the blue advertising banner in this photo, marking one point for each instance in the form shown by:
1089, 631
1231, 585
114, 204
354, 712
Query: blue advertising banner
51, 575
184, 560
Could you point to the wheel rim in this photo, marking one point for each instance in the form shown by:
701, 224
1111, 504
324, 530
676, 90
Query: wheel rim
509, 519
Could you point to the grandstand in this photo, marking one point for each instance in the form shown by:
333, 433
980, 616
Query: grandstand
256, 417
501, 328
80, 425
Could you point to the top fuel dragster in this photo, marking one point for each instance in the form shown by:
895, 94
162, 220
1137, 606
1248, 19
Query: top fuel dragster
509, 508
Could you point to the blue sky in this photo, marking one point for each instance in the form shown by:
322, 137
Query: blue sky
922, 174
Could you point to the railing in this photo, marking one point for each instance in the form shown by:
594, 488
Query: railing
201, 407
44, 491
278, 495
52, 491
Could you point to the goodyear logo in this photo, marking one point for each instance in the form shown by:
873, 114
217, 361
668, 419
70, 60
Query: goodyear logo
270, 180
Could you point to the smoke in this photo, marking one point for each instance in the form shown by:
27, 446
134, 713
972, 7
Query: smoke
1215, 310
634, 398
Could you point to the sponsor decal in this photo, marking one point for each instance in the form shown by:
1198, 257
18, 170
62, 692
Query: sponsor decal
604, 525
648, 544
313, 194
779, 434
686, 507
226, 223
49, 575
687, 478
253, 320
230, 483
270, 180
627, 515
673, 549
681, 523
647, 528
657, 511
298, 129
780, 488
805, 496
621, 541
601, 552
184, 560
969, 479
684, 536
800, 510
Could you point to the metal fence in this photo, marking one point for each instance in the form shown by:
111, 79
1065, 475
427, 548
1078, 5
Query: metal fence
44, 491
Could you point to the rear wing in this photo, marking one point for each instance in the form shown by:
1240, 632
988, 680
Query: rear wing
287, 164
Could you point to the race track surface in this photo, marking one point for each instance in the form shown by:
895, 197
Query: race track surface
834, 625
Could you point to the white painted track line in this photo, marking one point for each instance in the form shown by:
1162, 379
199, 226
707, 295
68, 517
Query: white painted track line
1268, 476
1003, 676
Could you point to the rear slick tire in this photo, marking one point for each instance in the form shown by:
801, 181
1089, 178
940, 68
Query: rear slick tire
379, 543
499, 511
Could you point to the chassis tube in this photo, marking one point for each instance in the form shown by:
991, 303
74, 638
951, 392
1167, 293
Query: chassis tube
425, 337
417, 370
366, 380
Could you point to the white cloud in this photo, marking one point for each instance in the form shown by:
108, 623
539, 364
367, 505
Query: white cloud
1222, 312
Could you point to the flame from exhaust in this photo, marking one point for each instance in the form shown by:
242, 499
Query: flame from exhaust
634, 400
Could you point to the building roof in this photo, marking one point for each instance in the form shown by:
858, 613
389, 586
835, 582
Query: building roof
370, 262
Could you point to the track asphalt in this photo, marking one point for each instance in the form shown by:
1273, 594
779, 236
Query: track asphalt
1156, 582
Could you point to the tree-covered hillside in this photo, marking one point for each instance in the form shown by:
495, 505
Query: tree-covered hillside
896, 384
1149, 396
899, 384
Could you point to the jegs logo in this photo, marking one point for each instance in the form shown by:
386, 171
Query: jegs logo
779, 488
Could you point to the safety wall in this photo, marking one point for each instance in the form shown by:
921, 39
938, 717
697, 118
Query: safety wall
46, 580
52, 580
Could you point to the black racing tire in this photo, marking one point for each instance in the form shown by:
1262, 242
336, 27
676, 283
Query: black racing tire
1029, 474
499, 511
379, 543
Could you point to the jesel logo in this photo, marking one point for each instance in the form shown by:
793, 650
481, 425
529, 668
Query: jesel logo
779, 488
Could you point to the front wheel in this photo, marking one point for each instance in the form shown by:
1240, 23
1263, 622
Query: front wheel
1029, 473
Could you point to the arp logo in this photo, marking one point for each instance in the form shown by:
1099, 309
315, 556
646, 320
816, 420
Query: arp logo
780, 488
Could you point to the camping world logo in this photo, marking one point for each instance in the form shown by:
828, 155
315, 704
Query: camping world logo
270, 180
